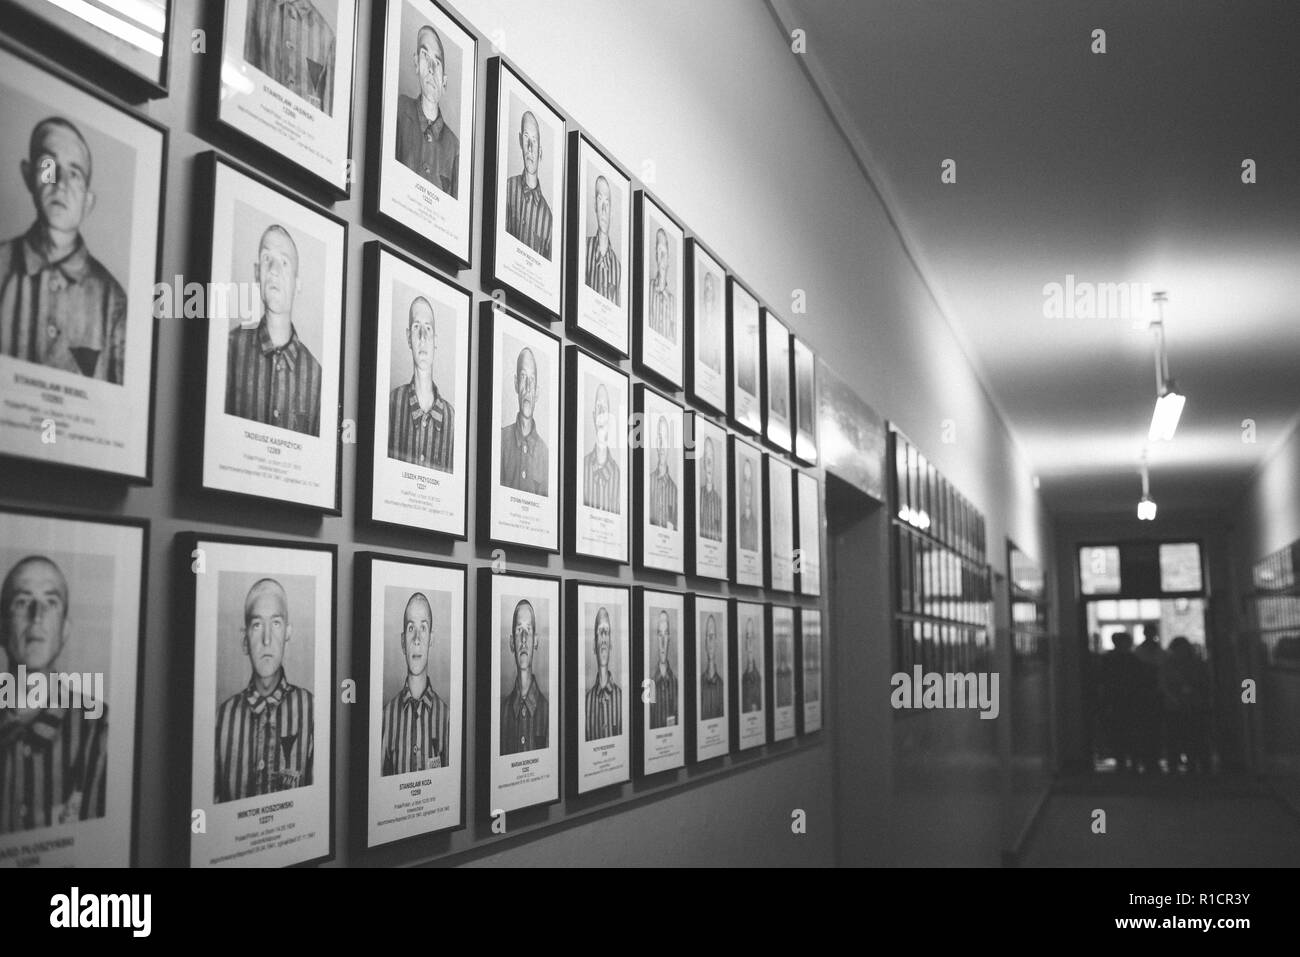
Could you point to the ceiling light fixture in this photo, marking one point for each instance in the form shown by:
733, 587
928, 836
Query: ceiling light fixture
1169, 401
1146, 507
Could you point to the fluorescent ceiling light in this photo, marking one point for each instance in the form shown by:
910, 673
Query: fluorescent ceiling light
1146, 509
1164, 421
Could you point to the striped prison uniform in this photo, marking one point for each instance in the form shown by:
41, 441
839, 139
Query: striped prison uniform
604, 711
53, 769
603, 272
711, 692
291, 42
264, 742
663, 499
784, 687
418, 436
711, 514
528, 215
663, 310
277, 386
600, 488
525, 721
415, 734
751, 690
663, 710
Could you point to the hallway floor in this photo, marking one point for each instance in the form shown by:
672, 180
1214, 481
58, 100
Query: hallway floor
1223, 821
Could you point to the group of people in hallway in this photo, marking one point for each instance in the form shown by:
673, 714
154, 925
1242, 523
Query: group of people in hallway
1153, 703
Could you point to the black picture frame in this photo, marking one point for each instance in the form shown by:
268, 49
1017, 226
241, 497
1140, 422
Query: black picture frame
643, 396
96, 54
714, 403
744, 408
443, 254
574, 693
490, 314
575, 240
694, 668
777, 469
757, 611
137, 711
777, 430
747, 569
369, 399
807, 485
803, 616
267, 155
514, 295
186, 547
697, 564
363, 565
144, 477
776, 734
641, 596
803, 365
206, 172
665, 372
575, 359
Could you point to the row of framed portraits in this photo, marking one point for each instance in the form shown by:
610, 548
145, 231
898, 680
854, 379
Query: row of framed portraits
633, 680
78, 362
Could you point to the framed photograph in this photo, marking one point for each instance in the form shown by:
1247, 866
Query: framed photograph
600, 724
600, 243
132, 39
744, 402
656, 439
518, 462
597, 501
274, 387
81, 219
423, 111
808, 556
263, 701
776, 382
415, 397
523, 203
413, 613
805, 403
781, 686
778, 496
519, 690
661, 729
286, 83
810, 669
706, 474
660, 254
72, 593
746, 483
711, 634
706, 346
749, 684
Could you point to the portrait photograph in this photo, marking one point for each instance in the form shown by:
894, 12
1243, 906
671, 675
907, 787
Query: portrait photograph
275, 343
743, 355
657, 439
263, 686
80, 223
712, 637
776, 382
661, 673
808, 564
660, 308
810, 657
286, 82
423, 108
600, 647
805, 403
131, 37
779, 496
417, 350
414, 616
707, 459
519, 454
519, 671
748, 551
749, 676
706, 352
782, 684
598, 501
71, 628
598, 303
523, 203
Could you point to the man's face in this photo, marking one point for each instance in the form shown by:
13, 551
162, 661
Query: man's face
708, 464
710, 637
36, 618
266, 629
417, 632
430, 68
602, 205
277, 272
600, 416
523, 640
603, 638
526, 383
530, 143
661, 633
58, 176
661, 252
420, 335
661, 438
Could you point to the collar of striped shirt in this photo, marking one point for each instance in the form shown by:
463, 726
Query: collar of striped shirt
413, 401
426, 699
258, 703
530, 191
73, 265
531, 699
289, 350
